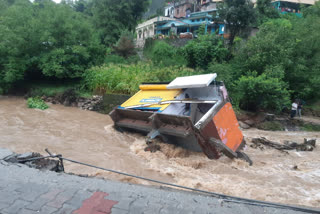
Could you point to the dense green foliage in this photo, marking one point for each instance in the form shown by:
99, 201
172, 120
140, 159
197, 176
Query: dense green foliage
126, 78
36, 102
279, 64
288, 47
164, 54
45, 39
265, 12
206, 48
238, 14
125, 45
112, 17
262, 92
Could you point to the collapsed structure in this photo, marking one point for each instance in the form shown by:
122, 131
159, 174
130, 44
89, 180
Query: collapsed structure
193, 112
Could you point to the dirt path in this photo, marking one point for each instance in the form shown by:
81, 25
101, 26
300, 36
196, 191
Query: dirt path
313, 120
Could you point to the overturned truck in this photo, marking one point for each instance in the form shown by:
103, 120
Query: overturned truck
193, 112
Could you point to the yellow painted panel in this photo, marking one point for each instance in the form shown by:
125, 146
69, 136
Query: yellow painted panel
152, 96
153, 87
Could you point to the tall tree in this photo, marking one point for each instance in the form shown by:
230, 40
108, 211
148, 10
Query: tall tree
111, 17
45, 38
265, 11
238, 15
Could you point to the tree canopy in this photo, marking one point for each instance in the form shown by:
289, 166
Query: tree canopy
46, 38
112, 18
238, 15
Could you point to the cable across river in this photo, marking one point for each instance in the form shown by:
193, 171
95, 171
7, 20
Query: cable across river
225, 198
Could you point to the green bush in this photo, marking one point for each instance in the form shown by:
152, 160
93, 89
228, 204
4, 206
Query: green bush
125, 45
262, 92
202, 51
125, 79
36, 102
45, 39
290, 44
164, 54
115, 59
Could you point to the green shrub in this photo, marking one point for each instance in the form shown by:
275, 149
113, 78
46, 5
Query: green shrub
262, 92
164, 54
115, 59
36, 102
202, 51
125, 45
45, 39
125, 79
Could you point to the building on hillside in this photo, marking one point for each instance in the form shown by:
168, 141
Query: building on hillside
169, 10
184, 8
190, 24
209, 5
147, 29
291, 6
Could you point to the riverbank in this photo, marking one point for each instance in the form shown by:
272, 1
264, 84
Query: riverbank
292, 177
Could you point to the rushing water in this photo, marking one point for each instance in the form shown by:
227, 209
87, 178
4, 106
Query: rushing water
89, 137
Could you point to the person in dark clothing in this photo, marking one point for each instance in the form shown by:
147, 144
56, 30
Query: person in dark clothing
300, 104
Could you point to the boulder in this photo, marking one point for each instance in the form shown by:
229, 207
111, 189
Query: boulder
243, 125
249, 122
270, 117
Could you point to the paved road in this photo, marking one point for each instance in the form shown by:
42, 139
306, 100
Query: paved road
25, 190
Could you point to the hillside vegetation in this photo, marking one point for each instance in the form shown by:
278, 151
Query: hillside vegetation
92, 42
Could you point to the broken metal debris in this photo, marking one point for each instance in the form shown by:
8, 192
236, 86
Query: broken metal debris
307, 145
35, 160
193, 112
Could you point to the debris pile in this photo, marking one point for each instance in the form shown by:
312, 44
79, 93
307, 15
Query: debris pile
42, 163
307, 145
89, 103
71, 98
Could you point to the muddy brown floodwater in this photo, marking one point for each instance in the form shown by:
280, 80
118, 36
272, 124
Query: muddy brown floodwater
89, 137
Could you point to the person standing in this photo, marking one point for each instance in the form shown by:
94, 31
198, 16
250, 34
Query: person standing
294, 108
300, 104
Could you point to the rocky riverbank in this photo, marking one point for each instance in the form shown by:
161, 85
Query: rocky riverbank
273, 122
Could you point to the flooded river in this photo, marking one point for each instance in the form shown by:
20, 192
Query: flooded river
89, 137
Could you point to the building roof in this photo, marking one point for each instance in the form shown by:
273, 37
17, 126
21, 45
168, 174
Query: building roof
294, 1
153, 20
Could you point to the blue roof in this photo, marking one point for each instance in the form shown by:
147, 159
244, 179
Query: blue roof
183, 22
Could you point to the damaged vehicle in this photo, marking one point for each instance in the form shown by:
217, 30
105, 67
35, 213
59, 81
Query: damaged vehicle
193, 112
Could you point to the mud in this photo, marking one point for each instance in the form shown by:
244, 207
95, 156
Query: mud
292, 177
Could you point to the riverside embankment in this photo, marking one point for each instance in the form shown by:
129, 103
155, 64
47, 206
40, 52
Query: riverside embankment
292, 177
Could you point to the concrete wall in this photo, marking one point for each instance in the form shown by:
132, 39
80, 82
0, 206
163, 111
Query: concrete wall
147, 30
209, 6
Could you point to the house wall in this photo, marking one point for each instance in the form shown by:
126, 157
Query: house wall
147, 29
209, 6
181, 10
169, 11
